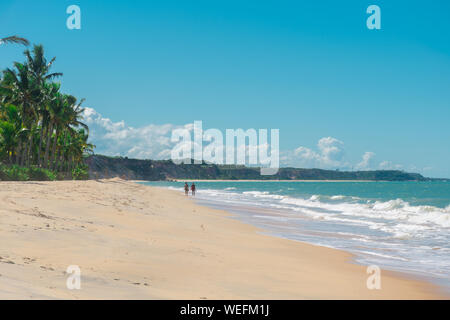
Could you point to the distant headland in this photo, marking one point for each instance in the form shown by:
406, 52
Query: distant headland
101, 167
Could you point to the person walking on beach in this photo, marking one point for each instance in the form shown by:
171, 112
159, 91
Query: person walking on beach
186, 189
193, 189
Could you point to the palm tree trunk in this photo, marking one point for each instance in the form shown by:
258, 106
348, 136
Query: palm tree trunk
41, 137
18, 151
70, 166
54, 148
24, 154
59, 161
30, 151
62, 162
47, 145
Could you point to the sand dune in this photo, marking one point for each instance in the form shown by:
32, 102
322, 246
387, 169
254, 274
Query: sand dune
136, 242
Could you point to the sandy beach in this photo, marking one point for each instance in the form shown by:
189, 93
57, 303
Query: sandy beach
138, 242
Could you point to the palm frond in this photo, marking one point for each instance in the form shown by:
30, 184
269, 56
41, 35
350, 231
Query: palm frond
53, 75
15, 39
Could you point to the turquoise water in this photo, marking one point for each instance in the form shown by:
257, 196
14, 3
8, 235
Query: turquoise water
401, 226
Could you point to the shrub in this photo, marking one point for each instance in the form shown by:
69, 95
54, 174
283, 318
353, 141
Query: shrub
80, 173
38, 174
17, 173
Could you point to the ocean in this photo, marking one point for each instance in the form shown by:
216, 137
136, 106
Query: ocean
400, 226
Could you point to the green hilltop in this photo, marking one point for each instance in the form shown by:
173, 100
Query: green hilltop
165, 170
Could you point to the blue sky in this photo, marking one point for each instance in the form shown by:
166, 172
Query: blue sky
309, 68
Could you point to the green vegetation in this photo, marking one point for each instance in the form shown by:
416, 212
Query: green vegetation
151, 170
41, 133
16, 173
81, 173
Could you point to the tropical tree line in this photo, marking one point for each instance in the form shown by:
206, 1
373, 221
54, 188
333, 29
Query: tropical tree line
40, 126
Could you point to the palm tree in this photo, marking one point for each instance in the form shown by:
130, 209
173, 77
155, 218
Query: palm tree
67, 117
61, 114
39, 66
53, 108
19, 89
10, 131
76, 148
39, 125
14, 39
39, 69
27, 87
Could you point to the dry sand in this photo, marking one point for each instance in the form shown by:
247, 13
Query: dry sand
137, 242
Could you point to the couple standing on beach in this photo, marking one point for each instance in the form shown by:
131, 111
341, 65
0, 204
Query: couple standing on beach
186, 189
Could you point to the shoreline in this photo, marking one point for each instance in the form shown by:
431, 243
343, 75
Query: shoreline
236, 214
138, 242
240, 213
178, 180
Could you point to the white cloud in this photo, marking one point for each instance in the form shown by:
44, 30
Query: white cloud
388, 165
116, 138
330, 154
154, 142
332, 150
366, 163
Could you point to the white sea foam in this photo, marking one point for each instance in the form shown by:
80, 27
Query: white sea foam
389, 210
394, 210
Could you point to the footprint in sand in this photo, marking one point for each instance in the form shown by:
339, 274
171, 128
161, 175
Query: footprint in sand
144, 284
28, 260
7, 261
47, 268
